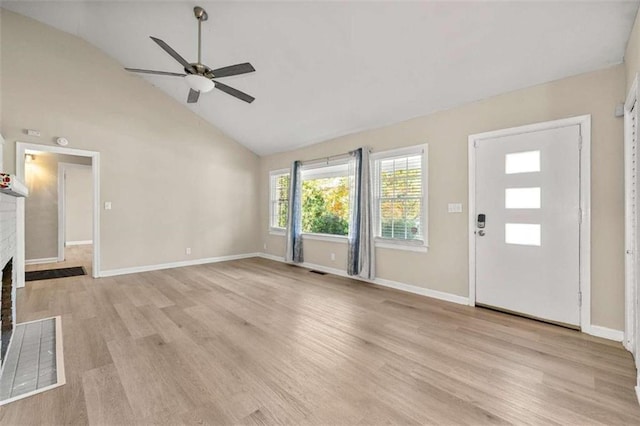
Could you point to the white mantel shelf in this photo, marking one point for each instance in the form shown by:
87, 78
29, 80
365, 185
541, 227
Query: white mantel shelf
11, 185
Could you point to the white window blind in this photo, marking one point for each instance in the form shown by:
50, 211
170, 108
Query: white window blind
279, 199
399, 193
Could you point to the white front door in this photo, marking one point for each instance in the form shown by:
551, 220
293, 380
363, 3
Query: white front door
528, 252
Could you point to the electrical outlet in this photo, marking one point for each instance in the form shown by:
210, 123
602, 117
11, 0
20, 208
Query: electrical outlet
333, 256
187, 250
107, 205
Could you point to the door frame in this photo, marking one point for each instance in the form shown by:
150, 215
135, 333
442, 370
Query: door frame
62, 205
23, 148
631, 331
584, 121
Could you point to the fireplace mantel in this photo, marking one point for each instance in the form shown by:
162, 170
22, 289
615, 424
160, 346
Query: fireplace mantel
11, 185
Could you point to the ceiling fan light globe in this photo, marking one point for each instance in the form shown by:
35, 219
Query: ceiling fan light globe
199, 83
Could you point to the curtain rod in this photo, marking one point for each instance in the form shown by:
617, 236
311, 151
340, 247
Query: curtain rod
326, 159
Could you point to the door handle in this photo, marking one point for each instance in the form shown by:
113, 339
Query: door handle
481, 221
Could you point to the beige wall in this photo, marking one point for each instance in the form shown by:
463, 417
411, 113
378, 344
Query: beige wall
445, 266
78, 204
632, 54
41, 207
174, 180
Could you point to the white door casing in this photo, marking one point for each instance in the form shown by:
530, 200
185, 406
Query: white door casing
23, 148
632, 219
533, 258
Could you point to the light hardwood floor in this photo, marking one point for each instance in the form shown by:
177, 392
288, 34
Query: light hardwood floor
260, 342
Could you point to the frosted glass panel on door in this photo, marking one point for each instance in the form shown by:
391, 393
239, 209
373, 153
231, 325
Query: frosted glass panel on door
522, 198
522, 162
525, 234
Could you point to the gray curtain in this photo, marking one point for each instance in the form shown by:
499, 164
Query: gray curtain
294, 222
361, 255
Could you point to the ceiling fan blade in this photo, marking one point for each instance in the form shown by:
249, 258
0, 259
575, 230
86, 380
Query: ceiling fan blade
173, 53
193, 96
234, 92
176, 74
233, 70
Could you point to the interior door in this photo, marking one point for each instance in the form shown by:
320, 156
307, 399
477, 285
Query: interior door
528, 238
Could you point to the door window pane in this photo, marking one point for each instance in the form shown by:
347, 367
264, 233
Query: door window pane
522, 198
522, 162
522, 233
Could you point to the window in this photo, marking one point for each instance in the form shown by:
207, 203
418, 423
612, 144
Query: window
325, 199
279, 200
522, 198
524, 234
399, 193
522, 162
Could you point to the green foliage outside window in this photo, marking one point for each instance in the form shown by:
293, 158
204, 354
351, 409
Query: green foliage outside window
281, 202
325, 206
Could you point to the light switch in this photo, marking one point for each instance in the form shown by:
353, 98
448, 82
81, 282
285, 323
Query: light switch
107, 205
455, 207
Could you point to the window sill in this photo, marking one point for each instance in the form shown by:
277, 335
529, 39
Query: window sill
342, 239
277, 231
419, 248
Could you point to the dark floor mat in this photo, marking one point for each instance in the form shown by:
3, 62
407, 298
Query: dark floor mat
49, 274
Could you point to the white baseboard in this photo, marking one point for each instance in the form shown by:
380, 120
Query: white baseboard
409, 288
605, 333
78, 243
41, 261
271, 257
435, 294
136, 269
638, 393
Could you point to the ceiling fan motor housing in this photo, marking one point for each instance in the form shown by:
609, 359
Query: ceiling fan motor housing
200, 69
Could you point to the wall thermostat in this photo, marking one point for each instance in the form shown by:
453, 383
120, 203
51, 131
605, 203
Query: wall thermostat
62, 141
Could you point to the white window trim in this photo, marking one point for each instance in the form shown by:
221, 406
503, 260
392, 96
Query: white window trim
406, 245
274, 230
331, 238
314, 170
397, 244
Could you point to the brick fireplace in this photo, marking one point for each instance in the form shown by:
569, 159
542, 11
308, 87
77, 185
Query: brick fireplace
6, 307
10, 191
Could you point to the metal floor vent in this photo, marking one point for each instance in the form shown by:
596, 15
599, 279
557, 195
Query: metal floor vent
34, 361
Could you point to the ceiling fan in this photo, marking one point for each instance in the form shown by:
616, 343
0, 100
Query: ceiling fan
199, 77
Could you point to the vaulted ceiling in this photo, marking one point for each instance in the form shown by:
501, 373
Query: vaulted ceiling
325, 69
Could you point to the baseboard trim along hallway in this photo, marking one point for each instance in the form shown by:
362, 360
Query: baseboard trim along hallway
148, 268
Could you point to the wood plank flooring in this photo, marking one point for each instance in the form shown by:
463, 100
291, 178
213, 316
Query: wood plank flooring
259, 342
